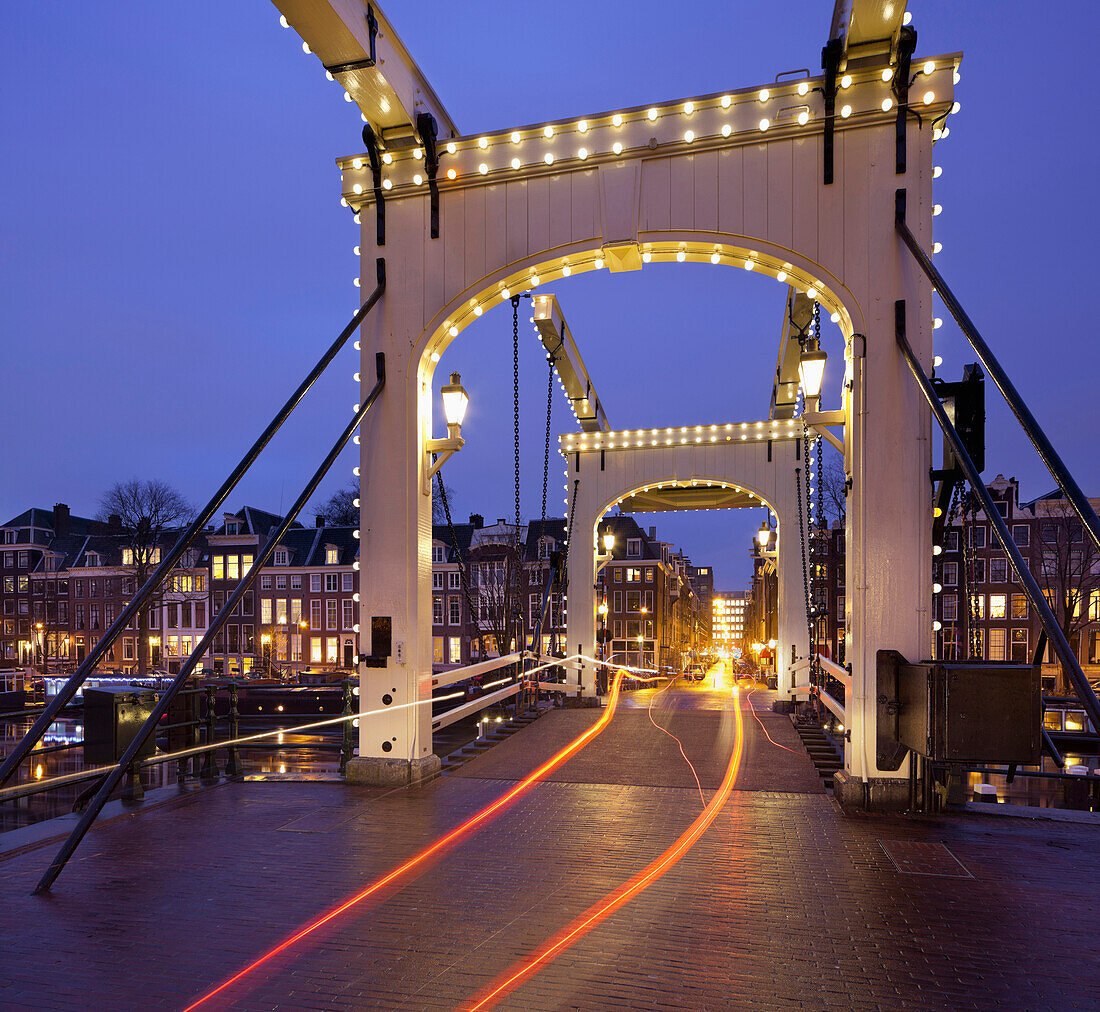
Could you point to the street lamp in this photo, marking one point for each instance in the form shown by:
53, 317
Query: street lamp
764, 535
608, 541
303, 625
455, 401
811, 369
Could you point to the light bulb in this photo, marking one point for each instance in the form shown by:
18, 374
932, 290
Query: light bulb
534, 281
726, 101
681, 256
417, 178
357, 163
936, 549
582, 153
483, 142
328, 74
451, 148
647, 257
929, 66
478, 310
617, 120
835, 317
617, 148
451, 174
548, 131
689, 108
453, 331
417, 153
937, 209
804, 117
937, 323
483, 168
355, 281
936, 247
387, 158
887, 74
548, 157
764, 124
505, 294
347, 97
714, 258
781, 277
515, 136
599, 266
750, 264
355, 250
357, 188
566, 271
955, 107
936, 627
887, 104
956, 77
936, 588
929, 97
811, 293
515, 163
689, 135
845, 111
726, 130
387, 184
582, 126
937, 362
846, 81
803, 87
283, 21
763, 94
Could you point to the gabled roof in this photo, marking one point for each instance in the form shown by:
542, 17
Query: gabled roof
307, 545
552, 528
44, 520
261, 522
464, 533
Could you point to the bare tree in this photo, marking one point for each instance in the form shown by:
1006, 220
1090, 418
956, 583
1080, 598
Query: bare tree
342, 507
1068, 568
499, 580
439, 514
147, 510
834, 489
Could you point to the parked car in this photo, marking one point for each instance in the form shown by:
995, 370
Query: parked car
695, 672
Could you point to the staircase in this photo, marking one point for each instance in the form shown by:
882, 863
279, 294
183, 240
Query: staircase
823, 752
458, 759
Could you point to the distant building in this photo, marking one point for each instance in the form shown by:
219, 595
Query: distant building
728, 620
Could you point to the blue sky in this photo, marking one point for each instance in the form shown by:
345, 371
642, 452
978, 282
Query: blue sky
174, 254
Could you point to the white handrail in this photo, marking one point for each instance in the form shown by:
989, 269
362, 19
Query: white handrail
837, 672
461, 674
830, 703
451, 716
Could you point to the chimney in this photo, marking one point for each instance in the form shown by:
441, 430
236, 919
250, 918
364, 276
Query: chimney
61, 520
477, 521
653, 534
502, 520
114, 524
320, 520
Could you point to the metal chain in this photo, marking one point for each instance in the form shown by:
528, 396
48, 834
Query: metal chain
546, 451
569, 527
802, 554
974, 636
515, 393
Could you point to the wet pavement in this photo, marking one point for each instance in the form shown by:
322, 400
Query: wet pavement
784, 903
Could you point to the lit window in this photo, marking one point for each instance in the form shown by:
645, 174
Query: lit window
232, 567
265, 611
315, 649
454, 653
437, 649
280, 611
246, 565
332, 649
332, 556
998, 609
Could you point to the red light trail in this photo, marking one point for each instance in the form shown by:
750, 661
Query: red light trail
665, 730
624, 893
420, 859
748, 699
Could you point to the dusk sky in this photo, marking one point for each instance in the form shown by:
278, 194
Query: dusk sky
175, 255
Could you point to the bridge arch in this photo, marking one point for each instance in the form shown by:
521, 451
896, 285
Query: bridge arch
711, 192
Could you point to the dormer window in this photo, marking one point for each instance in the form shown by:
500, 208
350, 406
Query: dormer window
332, 556
545, 548
232, 527
92, 559
282, 557
633, 548
9, 537
439, 553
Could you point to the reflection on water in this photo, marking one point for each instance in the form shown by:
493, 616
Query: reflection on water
1041, 792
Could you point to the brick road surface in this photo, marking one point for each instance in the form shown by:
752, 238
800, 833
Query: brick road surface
783, 904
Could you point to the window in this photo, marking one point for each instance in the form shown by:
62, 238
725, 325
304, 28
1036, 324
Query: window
232, 567
330, 615
996, 644
1018, 641
649, 574
633, 548
315, 583
952, 541
618, 629
439, 553
232, 528
454, 580
1002, 507
618, 601
979, 571
246, 565
173, 623
265, 611
998, 609
979, 605
95, 616
347, 606
998, 570
454, 608
544, 548
437, 611
1021, 534
78, 588
437, 581
977, 536
633, 600
93, 587
950, 608
649, 601
315, 648
346, 582
1019, 606
127, 648
840, 606
280, 583
454, 650
296, 581
332, 648
280, 611
282, 557
437, 649
265, 583
950, 574
315, 615
618, 575
332, 556
633, 575
332, 582
246, 603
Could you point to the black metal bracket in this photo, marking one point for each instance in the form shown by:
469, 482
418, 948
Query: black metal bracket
375, 157
370, 61
907, 43
830, 63
899, 205
426, 128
